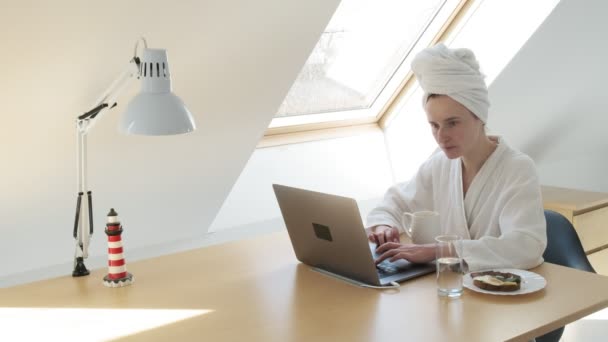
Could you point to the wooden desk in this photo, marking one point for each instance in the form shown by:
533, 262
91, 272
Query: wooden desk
256, 290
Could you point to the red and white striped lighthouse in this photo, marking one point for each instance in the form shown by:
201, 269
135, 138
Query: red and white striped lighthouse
117, 268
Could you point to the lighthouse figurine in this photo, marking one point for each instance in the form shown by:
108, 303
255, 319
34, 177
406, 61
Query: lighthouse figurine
117, 268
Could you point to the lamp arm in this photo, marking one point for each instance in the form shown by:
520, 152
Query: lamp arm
108, 99
83, 222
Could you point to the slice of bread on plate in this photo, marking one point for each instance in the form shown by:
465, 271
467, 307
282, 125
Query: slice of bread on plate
496, 281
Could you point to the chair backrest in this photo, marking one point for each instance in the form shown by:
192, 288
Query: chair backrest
563, 248
563, 245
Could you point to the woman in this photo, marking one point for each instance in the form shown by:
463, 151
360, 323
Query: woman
484, 190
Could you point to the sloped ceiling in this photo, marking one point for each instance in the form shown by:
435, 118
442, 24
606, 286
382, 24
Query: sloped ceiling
232, 63
551, 101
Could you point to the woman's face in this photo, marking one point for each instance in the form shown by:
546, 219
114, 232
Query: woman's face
456, 130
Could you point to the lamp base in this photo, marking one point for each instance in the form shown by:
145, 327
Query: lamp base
80, 269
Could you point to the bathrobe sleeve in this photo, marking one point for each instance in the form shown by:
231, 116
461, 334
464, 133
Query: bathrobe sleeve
413, 195
521, 220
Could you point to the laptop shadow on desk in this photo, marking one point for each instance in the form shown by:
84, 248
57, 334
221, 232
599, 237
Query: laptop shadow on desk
318, 300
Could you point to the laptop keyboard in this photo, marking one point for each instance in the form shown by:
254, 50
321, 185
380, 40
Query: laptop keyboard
385, 267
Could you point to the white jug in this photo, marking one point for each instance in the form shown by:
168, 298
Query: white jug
424, 227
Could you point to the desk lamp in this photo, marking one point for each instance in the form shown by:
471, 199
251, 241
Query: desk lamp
155, 110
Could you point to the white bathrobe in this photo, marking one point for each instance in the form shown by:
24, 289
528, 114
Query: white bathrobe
501, 217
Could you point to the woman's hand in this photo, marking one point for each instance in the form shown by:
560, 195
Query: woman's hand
382, 234
413, 253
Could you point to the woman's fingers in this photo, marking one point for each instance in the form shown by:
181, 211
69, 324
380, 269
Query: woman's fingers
380, 238
398, 256
392, 235
411, 253
390, 252
385, 247
386, 255
388, 235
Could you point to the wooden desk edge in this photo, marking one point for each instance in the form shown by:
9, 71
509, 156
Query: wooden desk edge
578, 201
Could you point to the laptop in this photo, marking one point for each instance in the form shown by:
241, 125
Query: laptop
327, 233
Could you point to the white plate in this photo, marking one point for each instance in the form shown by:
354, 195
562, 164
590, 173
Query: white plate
530, 282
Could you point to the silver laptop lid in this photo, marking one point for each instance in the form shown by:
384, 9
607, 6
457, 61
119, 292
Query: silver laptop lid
326, 231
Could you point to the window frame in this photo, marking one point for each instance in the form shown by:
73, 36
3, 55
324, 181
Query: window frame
334, 128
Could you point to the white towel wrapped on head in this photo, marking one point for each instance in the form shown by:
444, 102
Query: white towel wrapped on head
455, 73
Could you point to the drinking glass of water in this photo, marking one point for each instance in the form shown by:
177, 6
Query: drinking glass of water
449, 265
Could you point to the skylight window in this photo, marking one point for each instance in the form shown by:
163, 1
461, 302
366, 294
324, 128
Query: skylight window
361, 59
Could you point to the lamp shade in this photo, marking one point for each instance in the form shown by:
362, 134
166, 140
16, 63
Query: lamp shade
155, 110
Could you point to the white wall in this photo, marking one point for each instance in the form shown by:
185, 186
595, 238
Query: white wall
232, 63
355, 166
551, 100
